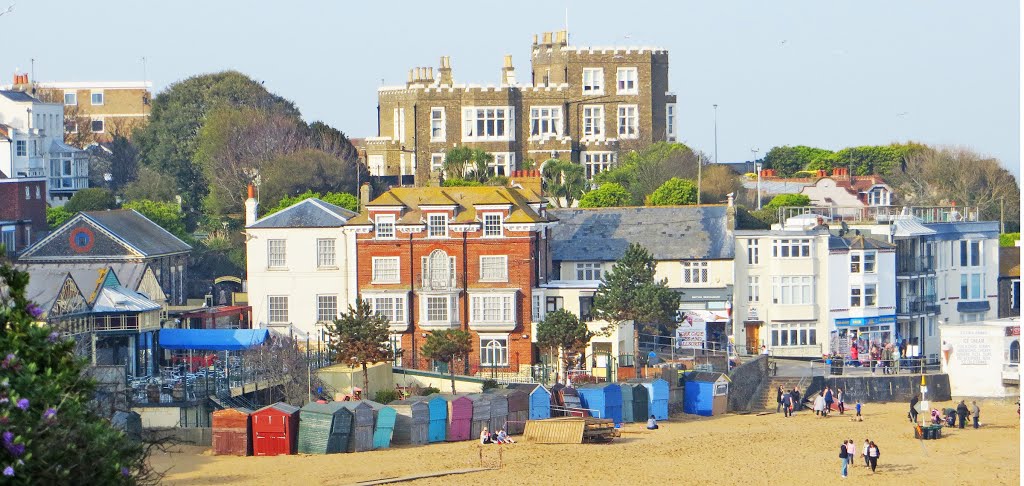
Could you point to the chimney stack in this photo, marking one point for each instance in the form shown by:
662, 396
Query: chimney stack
250, 207
445, 71
364, 195
508, 72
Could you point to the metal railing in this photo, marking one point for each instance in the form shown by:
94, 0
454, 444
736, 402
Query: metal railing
915, 264
882, 214
842, 367
918, 305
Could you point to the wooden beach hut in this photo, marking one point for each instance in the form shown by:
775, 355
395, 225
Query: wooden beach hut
499, 410
460, 418
437, 431
539, 400
518, 409
707, 393
606, 398
556, 395
325, 428
232, 432
481, 413
657, 397
362, 425
383, 424
634, 402
275, 430
412, 421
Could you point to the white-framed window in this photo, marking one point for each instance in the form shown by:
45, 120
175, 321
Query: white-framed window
494, 268
791, 248
862, 262
855, 297
375, 165
437, 125
593, 81
753, 288
502, 163
488, 123
396, 348
537, 306
670, 122
399, 122
436, 163
492, 308
277, 309
276, 254
629, 122
325, 253
492, 224
695, 272
438, 270
38, 191
797, 290
972, 286
494, 350
970, 253
384, 224
390, 306
588, 271
794, 334
437, 225
97, 97
20, 148
386, 270
326, 308
545, 121
870, 295
96, 126
70, 98
593, 121
439, 308
753, 252
597, 162
28, 193
878, 196
626, 81
870, 258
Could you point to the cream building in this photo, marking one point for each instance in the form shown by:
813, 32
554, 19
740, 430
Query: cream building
982, 359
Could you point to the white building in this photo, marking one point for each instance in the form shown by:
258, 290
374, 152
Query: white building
33, 146
982, 359
693, 250
300, 266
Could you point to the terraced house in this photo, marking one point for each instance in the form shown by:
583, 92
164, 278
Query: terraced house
584, 104
467, 258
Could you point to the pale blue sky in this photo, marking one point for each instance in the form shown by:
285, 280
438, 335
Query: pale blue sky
849, 73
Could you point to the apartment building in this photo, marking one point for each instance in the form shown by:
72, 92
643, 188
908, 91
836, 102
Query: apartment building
584, 104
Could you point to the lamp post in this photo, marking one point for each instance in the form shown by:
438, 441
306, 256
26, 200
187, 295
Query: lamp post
716, 131
757, 167
700, 164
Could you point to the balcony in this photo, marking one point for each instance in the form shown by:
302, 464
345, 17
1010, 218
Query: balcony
882, 214
915, 265
434, 283
925, 304
67, 183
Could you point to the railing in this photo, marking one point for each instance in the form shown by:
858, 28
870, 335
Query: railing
427, 283
841, 367
881, 214
915, 264
917, 305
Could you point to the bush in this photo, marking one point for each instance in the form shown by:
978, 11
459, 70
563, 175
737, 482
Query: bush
56, 216
427, 391
609, 195
489, 384
1005, 239
385, 396
674, 192
454, 182
784, 200
92, 199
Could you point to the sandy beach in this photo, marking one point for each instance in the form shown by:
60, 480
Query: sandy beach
730, 449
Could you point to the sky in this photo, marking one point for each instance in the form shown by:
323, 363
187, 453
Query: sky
827, 74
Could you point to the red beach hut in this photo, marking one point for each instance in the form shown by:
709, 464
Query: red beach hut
275, 430
232, 429
460, 418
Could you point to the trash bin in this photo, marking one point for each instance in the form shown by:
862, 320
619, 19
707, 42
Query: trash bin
837, 367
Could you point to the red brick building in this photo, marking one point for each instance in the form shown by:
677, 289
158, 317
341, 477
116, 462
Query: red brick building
465, 258
22, 212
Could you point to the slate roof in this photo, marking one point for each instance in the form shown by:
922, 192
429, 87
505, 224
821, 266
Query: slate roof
668, 232
18, 96
138, 232
308, 213
859, 242
1009, 261
465, 199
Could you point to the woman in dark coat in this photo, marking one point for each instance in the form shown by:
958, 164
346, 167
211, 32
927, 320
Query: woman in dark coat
913, 409
778, 398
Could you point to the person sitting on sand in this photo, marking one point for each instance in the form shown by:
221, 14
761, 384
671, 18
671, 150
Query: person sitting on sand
652, 424
503, 437
485, 436
936, 418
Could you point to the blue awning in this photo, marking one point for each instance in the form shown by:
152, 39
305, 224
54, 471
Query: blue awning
212, 339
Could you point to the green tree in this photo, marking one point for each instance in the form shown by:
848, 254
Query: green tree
563, 333
717, 182
305, 170
608, 195
51, 434
167, 215
91, 199
457, 162
359, 336
563, 181
342, 199
643, 171
788, 160
674, 192
874, 159
629, 293
56, 216
124, 162
152, 185
1009, 239
459, 183
446, 346
784, 200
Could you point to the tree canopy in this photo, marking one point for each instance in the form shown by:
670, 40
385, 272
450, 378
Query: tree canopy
342, 199
608, 195
564, 181
91, 199
56, 216
642, 172
447, 346
788, 160
167, 215
562, 332
674, 192
717, 182
783, 200
359, 336
306, 170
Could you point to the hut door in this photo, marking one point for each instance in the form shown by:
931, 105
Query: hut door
753, 337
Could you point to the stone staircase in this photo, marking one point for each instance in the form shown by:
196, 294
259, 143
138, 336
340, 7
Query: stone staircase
768, 402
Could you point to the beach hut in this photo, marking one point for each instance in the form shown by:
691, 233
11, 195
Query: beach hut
383, 424
657, 397
437, 431
556, 395
540, 400
634, 402
569, 397
481, 413
325, 428
605, 398
518, 409
460, 418
232, 429
499, 410
275, 430
362, 425
707, 393
412, 421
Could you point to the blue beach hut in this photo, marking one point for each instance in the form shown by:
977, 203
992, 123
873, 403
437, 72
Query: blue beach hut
605, 398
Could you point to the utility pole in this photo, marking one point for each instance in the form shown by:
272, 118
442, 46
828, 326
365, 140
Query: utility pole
716, 131
1002, 223
700, 164
757, 166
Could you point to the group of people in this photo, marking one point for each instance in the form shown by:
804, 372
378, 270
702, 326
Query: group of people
499, 437
789, 402
949, 416
886, 356
848, 453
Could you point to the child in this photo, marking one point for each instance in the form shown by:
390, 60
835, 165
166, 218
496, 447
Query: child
858, 417
503, 438
652, 424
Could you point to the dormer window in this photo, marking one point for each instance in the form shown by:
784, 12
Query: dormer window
492, 224
437, 226
385, 225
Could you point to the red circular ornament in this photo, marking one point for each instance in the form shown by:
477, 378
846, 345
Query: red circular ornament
81, 240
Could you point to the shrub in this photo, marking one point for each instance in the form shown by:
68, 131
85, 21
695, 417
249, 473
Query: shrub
385, 396
489, 384
428, 391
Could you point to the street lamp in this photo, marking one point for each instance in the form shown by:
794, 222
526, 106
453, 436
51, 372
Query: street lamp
757, 167
700, 164
716, 131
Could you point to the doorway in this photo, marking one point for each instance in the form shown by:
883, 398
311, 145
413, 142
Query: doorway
753, 336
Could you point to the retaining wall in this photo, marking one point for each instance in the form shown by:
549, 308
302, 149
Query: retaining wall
885, 388
748, 382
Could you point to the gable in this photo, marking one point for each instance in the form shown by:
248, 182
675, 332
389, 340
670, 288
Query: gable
150, 287
69, 300
80, 239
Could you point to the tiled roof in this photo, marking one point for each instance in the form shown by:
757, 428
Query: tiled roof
465, 199
18, 96
138, 231
668, 232
308, 213
1009, 261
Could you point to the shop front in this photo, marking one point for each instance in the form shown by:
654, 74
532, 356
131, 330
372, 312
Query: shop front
709, 310
864, 332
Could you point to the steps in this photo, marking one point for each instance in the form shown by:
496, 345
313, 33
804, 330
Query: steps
768, 400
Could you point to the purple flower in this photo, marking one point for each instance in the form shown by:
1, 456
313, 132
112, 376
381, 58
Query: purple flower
16, 450
23, 404
53, 337
125, 472
8, 437
4, 400
7, 360
49, 414
34, 310
8, 471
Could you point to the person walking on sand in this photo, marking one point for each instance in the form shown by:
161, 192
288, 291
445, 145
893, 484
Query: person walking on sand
829, 399
867, 444
851, 451
778, 398
913, 409
839, 400
795, 394
962, 413
844, 455
787, 405
873, 455
819, 404
975, 413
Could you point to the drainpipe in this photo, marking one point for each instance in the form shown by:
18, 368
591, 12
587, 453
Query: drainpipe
465, 284
412, 288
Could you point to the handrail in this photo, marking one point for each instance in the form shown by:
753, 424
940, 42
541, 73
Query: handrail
901, 366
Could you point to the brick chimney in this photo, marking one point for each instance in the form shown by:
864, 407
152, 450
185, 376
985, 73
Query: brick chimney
508, 72
445, 71
526, 179
364, 195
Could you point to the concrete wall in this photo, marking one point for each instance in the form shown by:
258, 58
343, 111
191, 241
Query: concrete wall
748, 382
979, 357
881, 389
423, 379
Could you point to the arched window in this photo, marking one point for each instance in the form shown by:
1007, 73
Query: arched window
1015, 351
439, 270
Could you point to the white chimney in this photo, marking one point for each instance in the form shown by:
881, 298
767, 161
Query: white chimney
250, 207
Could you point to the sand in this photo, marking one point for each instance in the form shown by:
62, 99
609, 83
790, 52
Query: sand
730, 449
